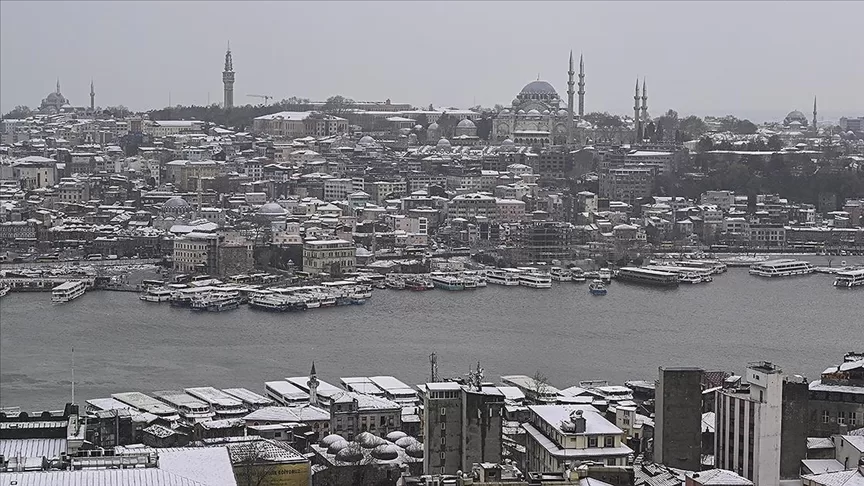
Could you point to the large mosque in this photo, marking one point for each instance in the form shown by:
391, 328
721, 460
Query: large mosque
538, 116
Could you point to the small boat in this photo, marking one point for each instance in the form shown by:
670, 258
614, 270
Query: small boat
597, 288
605, 275
577, 275
156, 295
559, 274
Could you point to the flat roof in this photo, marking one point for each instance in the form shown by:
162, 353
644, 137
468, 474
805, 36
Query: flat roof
248, 396
595, 422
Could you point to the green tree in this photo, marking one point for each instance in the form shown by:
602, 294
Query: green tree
775, 143
692, 127
744, 127
604, 120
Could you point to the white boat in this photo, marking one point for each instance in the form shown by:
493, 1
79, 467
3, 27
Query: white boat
648, 277
597, 287
782, 268
503, 276
559, 274
156, 295
577, 275
447, 281
605, 275
67, 291
217, 302
850, 278
536, 280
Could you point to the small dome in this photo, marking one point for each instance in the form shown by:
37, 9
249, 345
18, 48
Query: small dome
337, 446
406, 441
433, 126
415, 450
350, 454
404, 131
533, 111
368, 440
443, 143
271, 209
507, 142
505, 111
397, 434
520, 112
466, 123
366, 140
546, 112
563, 112
385, 452
175, 202
326, 441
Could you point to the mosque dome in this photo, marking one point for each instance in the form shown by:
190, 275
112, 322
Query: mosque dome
507, 142
505, 111
533, 111
563, 112
466, 123
433, 126
521, 112
368, 440
349, 454
55, 98
443, 143
546, 112
398, 434
337, 446
366, 140
415, 450
406, 441
385, 452
795, 115
175, 203
271, 209
538, 87
330, 439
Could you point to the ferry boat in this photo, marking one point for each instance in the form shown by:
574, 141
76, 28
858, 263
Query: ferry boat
478, 278
648, 277
190, 408
559, 274
447, 281
781, 268
596, 287
850, 278
156, 295
536, 280
685, 274
577, 275
217, 302
419, 284
68, 291
469, 283
605, 275
275, 303
502, 276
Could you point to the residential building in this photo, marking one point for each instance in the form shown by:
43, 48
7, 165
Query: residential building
473, 205
330, 256
748, 425
837, 399
627, 184
296, 124
559, 436
678, 422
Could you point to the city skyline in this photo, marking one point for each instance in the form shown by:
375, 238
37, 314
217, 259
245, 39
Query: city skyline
429, 68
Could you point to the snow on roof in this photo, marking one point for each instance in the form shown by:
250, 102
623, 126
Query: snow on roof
595, 423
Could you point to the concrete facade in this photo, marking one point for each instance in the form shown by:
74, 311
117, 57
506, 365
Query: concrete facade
678, 432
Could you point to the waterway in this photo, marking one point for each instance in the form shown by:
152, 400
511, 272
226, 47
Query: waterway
803, 324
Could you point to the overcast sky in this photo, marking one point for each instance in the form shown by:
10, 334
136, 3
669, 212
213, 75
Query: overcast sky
756, 60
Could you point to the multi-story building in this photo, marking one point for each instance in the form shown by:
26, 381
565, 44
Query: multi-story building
295, 124
463, 426
32, 172
837, 399
748, 425
331, 256
73, 191
337, 189
562, 435
678, 422
185, 174
473, 205
627, 184
510, 210
196, 253
722, 199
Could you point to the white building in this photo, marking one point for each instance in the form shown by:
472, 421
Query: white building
510, 210
337, 189
195, 252
295, 124
331, 256
559, 434
748, 423
472, 205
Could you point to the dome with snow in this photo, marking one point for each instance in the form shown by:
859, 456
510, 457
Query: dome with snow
533, 111
443, 144
349, 454
176, 205
368, 440
396, 435
415, 450
406, 441
330, 439
795, 115
385, 452
466, 123
366, 141
271, 209
507, 142
337, 446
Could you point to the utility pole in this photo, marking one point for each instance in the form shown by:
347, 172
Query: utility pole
433, 361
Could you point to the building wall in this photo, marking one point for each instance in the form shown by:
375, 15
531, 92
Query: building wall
482, 427
678, 434
793, 435
442, 416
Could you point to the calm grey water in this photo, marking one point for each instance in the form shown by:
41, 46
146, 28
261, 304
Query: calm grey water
123, 344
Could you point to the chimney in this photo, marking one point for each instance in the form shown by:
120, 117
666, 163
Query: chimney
578, 421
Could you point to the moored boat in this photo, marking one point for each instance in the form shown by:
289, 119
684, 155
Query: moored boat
850, 278
68, 291
156, 295
785, 267
559, 274
648, 277
447, 281
535, 280
597, 287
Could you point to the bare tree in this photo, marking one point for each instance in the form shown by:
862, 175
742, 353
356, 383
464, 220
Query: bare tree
252, 464
540, 385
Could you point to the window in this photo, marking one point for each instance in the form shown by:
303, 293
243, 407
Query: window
443, 411
592, 441
442, 455
825, 416
609, 441
443, 426
841, 418
443, 440
853, 418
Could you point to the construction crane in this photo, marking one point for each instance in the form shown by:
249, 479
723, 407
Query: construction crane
267, 98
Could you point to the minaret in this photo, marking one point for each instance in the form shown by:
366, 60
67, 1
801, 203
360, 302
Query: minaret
58, 85
814, 114
644, 101
570, 94
313, 386
228, 80
581, 87
636, 119
92, 97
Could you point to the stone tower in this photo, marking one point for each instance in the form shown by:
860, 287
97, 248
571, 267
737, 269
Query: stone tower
228, 81
581, 87
313, 386
570, 94
92, 98
644, 101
